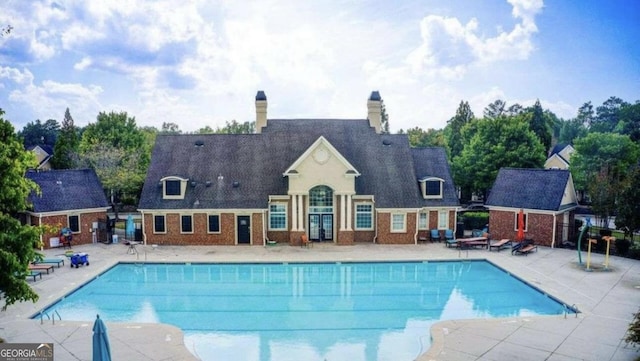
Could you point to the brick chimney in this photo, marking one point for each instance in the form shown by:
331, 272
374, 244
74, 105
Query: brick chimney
261, 111
374, 107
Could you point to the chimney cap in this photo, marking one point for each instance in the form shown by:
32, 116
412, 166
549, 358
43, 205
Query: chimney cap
375, 95
261, 95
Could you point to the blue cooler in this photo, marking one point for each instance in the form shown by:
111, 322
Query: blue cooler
78, 259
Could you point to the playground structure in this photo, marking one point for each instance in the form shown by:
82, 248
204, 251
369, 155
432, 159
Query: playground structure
591, 241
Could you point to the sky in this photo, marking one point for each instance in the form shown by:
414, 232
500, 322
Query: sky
200, 63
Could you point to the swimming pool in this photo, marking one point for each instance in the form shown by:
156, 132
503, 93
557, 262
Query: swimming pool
310, 311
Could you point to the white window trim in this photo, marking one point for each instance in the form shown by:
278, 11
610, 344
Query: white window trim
208, 224
192, 225
356, 216
526, 221
286, 216
426, 221
183, 187
404, 223
423, 187
443, 213
165, 223
69, 223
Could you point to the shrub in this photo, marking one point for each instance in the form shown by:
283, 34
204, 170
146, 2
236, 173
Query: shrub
633, 333
475, 220
622, 246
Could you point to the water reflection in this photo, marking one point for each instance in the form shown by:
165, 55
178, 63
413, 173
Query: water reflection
351, 311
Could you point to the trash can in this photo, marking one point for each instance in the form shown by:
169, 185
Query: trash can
115, 238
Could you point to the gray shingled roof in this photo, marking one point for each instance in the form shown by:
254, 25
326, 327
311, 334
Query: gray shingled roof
432, 162
257, 162
529, 188
64, 190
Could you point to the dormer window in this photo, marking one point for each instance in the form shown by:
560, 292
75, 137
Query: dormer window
173, 187
431, 187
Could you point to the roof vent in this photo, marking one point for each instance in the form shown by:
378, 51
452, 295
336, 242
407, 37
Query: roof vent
386, 142
160, 184
193, 184
236, 184
58, 182
199, 143
208, 184
220, 178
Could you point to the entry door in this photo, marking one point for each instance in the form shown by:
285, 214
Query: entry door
321, 227
244, 229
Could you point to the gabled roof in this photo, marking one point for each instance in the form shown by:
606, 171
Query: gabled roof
65, 190
257, 163
541, 189
322, 141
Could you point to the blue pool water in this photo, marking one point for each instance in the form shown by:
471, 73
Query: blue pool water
317, 311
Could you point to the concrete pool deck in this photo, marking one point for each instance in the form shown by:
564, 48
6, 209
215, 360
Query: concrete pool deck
606, 300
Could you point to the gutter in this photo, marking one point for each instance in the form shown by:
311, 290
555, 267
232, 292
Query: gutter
375, 236
144, 233
415, 235
553, 236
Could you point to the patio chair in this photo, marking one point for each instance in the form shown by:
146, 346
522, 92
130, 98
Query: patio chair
305, 242
435, 236
449, 238
503, 243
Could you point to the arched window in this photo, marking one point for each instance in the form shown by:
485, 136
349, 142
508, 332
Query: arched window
321, 200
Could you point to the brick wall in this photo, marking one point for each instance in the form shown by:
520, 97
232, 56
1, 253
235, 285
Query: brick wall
539, 226
85, 236
200, 236
385, 236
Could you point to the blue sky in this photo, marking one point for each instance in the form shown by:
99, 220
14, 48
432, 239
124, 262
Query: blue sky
198, 63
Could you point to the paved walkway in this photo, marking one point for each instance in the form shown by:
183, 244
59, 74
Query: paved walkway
606, 299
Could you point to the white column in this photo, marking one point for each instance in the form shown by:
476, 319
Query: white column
343, 211
294, 212
300, 212
349, 216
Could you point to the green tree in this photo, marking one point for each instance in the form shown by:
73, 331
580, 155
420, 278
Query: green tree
540, 124
570, 130
233, 127
205, 130
429, 138
630, 121
119, 153
586, 115
38, 133
384, 118
65, 153
17, 241
453, 131
495, 110
608, 115
496, 143
170, 128
600, 164
628, 216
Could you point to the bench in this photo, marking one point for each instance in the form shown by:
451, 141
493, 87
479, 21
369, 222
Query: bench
473, 242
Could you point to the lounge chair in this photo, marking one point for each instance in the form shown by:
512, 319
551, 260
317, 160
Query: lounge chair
53, 261
435, 235
41, 267
33, 274
449, 238
503, 243
524, 248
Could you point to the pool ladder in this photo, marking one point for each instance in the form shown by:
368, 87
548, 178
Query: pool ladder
52, 317
573, 307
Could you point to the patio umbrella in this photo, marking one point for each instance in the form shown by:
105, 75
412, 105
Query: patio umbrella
130, 228
101, 348
520, 235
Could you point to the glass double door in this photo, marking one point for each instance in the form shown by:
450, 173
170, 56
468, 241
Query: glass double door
321, 227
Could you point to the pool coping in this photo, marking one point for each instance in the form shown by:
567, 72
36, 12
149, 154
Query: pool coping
594, 334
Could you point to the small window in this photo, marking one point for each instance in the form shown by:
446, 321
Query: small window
364, 217
186, 224
214, 223
159, 224
423, 221
515, 222
172, 187
443, 219
431, 187
398, 223
278, 216
74, 223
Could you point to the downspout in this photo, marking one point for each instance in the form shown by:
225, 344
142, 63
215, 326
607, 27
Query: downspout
415, 235
264, 231
553, 237
375, 236
144, 234
41, 241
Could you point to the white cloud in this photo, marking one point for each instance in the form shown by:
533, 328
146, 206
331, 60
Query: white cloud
15, 75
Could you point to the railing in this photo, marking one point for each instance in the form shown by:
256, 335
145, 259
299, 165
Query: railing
52, 317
